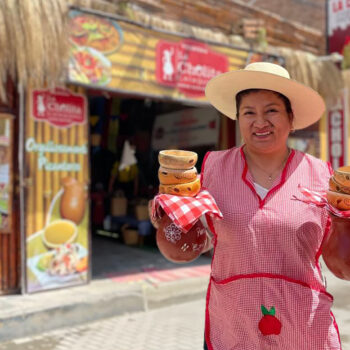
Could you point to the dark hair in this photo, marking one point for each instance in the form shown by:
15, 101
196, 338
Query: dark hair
285, 100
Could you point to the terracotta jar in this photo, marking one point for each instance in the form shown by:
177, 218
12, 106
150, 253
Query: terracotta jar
336, 249
177, 246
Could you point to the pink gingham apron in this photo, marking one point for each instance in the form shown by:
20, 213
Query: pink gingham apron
266, 253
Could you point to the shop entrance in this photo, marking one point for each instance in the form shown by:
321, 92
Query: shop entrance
124, 173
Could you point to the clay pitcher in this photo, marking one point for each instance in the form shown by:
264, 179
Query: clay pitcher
336, 250
177, 246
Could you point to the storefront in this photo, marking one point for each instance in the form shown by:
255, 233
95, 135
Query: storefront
131, 91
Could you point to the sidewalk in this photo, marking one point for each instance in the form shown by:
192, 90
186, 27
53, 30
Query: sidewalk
125, 279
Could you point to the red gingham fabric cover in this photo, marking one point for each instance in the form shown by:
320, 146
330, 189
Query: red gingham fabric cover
266, 252
319, 199
185, 211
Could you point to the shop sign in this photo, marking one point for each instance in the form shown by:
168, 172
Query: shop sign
338, 13
188, 65
122, 56
186, 128
56, 207
59, 107
337, 134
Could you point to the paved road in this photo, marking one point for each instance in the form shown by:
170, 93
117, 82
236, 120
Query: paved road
178, 327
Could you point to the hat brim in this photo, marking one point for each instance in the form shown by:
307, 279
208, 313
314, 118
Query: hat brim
307, 105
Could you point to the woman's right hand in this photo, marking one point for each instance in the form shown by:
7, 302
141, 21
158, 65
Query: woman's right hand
154, 222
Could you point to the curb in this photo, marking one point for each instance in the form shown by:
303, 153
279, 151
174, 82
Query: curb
100, 304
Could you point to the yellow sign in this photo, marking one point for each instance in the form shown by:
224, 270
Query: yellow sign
122, 56
56, 210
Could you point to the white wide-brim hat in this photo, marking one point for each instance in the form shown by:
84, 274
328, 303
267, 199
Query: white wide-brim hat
307, 105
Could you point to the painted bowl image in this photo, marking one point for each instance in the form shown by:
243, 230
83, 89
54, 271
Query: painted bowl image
177, 159
59, 232
102, 34
339, 200
342, 176
177, 246
336, 187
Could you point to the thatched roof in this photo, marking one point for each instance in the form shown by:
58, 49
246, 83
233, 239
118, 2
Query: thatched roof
33, 41
322, 75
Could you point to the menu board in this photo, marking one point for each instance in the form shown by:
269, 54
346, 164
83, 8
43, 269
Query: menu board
56, 207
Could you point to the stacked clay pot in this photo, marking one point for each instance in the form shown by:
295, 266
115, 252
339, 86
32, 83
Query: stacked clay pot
177, 173
177, 246
338, 194
336, 248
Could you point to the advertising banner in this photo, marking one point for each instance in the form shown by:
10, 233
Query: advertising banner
56, 176
337, 132
121, 56
186, 128
338, 31
6, 181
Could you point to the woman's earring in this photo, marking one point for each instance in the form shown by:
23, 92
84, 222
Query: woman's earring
292, 131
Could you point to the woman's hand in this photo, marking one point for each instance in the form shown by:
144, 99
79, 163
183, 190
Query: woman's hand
336, 249
154, 222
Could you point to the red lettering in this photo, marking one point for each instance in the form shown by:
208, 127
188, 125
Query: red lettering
337, 6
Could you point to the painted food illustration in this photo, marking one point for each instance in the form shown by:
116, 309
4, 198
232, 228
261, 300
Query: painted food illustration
99, 33
62, 261
59, 232
73, 200
87, 65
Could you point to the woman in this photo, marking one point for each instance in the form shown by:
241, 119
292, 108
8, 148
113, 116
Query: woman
266, 289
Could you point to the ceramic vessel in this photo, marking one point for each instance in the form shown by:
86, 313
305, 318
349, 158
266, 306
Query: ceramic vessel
177, 246
177, 159
339, 200
342, 176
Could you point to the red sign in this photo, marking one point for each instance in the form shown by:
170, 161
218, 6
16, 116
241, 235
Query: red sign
59, 107
338, 12
337, 134
188, 65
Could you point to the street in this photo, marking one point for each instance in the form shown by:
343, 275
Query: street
177, 327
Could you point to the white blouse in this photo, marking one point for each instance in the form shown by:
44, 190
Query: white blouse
261, 191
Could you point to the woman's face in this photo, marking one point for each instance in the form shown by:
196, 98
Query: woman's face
263, 121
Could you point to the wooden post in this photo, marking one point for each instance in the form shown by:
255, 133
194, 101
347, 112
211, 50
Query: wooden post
10, 248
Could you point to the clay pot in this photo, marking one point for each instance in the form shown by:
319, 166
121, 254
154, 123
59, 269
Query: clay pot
190, 189
176, 176
177, 159
336, 187
339, 200
336, 250
342, 176
177, 246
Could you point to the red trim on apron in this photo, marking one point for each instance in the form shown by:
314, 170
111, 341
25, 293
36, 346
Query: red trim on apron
271, 190
337, 328
203, 165
274, 276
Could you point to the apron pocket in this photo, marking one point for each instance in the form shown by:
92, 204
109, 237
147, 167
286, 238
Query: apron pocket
263, 311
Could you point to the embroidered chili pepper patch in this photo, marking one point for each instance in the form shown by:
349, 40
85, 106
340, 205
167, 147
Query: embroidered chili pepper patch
269, 324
